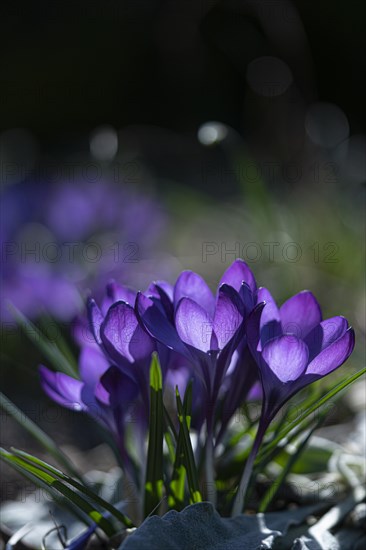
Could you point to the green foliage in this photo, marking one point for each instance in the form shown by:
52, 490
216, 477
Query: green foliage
54, 483
154, 469
187, 457
299, 424
176, 470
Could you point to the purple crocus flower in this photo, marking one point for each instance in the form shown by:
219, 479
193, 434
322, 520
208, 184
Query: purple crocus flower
103, 391
205, 329
197, 325
208, 331
242, 373
228, 341
114, 369
121, 337
293, 347
240, 277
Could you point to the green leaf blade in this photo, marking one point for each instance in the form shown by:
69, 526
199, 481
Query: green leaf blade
154, 467
81, 487
55, 484
314, 406
39, 435
184, 414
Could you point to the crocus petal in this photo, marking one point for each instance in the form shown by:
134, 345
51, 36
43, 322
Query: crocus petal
256, 392
100, 394
300, 314
81, 332
324, 334
121, 293
157, 286
158, 325
92, 365
141, 345
191, 285
63, 389
95, 319
121, 333
162, 295
228, 317
334, 355
121, 388
270, 324
243, 375
177, 377
117, 293
238, 273
252, 328
193, 324
118, 329
286, 356
248, 297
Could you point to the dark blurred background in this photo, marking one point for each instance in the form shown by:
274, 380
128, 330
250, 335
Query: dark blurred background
243, 120
235, 105
68, 68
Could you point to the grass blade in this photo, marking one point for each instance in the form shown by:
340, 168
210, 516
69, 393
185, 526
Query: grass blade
45, 440
56, 497
55, 484
273, 489
47, 348
62, 343
312, 408
176, 496
184, 420
79, 486
169, 442
154, 467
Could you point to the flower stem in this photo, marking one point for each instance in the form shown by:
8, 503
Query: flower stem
244, 482
209, 464
210, 480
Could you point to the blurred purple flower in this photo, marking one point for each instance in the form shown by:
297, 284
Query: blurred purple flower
62, 240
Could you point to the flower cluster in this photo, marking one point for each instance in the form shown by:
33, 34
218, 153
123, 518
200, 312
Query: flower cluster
229, 343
